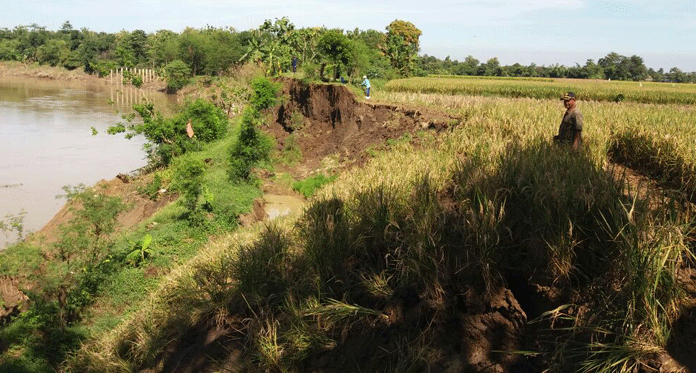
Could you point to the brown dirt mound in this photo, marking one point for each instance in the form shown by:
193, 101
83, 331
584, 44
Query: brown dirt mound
327, 120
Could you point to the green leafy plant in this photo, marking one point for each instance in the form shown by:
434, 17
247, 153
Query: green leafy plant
188, 179
140, 252
168, 137
252, 146
208, 199
264, 93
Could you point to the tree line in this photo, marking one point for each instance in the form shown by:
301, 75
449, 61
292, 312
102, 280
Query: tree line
322, 53
613, 66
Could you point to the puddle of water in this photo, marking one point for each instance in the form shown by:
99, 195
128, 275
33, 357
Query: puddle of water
277, 205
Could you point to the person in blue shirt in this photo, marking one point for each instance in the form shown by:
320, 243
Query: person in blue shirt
366, 84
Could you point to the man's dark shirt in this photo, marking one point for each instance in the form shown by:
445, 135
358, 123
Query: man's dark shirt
570, 125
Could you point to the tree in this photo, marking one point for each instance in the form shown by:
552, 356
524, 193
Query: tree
676, 75
402, 45
636, 68
164, 47
591, 70
194, 49
303, 43
271, 45
53, 52
336, 48
226, 52
177, 74
614, 66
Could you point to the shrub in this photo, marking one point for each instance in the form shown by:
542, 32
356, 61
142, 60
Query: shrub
167, 137
309, 185
250, 148
177, 74
264, 95
188, 179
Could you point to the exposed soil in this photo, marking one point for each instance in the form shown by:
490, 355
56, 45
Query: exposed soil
327, 120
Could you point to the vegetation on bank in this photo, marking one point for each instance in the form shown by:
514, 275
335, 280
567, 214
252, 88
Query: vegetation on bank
90, 278
320, 53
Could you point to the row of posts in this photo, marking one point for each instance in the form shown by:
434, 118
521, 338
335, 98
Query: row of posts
126, 96
148, 75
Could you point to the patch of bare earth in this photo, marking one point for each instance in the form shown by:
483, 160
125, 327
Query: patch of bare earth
138, 208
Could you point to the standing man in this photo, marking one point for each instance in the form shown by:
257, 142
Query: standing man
366, 84
294, 65
570, 130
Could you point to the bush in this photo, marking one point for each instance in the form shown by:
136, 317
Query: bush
188, 179
250, 148
209, 122
309, 185
167, 137
177, 74
264, 95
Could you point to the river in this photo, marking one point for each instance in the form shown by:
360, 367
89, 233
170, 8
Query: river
47, 142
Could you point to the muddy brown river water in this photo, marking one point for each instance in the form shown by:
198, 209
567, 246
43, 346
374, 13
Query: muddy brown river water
47, 142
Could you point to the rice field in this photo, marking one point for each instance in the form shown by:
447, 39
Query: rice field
589, 90
489, 124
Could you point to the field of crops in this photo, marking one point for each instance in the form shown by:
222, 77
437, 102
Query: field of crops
593, 90
489, 124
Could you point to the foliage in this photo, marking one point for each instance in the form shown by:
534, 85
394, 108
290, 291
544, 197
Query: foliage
140, 251
336, 48
270, 44
167, 137
264, 93
402, 45
188, 180
309, 185
177, 74
250, 148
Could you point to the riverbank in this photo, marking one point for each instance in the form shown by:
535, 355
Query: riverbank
35, 71
20, 70
47, 139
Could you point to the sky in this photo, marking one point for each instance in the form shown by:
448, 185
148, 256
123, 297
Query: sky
544, 32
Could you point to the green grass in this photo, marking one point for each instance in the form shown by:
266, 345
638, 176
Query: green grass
308, 186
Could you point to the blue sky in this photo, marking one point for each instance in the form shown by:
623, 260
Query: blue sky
544, 32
